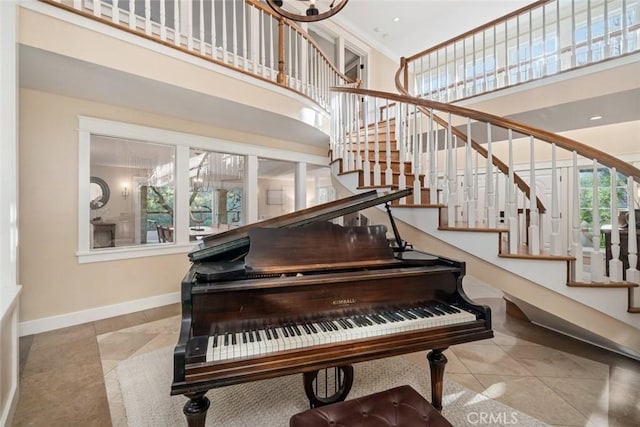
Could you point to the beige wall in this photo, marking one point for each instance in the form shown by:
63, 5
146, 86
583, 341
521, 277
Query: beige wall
383, 71
54, 282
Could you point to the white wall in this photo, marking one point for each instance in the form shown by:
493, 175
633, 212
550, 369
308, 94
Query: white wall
9, 289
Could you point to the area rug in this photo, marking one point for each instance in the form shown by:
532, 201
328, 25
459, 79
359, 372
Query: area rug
145, 383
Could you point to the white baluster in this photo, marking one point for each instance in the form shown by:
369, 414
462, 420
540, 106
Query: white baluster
224, 31
468, 181
512, 209
97, 8
177, 39
597, 260
534, 234
433, 169
234, 31
388, 173
577, 266
201, 44
451, 178
366, 166
476, 192
633, 275
133, 18
402, 116
214, 47
555, 240
147, 16
377, 179
615, 265
417, 152
115, 12
245, 52
355, 130
491, 191
189, 25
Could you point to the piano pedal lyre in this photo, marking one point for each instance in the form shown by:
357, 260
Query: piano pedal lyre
327, 386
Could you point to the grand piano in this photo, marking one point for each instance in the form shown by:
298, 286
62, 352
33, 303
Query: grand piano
301, 294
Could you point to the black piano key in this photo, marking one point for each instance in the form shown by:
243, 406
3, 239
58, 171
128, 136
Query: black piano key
233, 339
257, 334
409, 314
306, 329
322, 326
215, 340
288, 331
375, 319
244, 337
333, 325
296, 329
348, 323
226, 338
267, 333
275, 333
250, 333
313, 328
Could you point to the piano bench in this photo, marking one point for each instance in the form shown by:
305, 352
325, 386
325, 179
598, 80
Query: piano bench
398, 407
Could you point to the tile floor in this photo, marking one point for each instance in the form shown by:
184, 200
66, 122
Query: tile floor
68, 376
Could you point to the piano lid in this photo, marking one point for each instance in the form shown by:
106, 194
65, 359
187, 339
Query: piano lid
236, 242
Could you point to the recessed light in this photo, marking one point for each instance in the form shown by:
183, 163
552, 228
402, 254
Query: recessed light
396, 19
595, 118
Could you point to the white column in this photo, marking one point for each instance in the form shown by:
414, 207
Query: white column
377, 179
9, 289
301, 186
512, 210
451, 178
577, 266
597, 260
468, 180
534, 235
181, 201
490, 189
250, 199
615, 265
555, 240
388, 173
633, 275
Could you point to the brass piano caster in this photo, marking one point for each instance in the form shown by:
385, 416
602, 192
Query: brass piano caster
327, 386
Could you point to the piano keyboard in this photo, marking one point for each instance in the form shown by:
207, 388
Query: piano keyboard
298, 335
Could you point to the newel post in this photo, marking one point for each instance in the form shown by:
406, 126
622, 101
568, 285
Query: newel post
281, 78
404, 64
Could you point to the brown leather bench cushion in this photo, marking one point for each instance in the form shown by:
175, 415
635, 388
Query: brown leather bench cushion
398, 407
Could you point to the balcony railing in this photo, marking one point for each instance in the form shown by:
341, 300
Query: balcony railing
438, 149
539, 40
244, 35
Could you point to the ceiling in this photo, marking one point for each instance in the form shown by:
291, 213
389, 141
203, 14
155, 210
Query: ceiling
420, 23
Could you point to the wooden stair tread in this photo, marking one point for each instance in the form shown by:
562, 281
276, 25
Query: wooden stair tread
542, 256
603, 285
466, 228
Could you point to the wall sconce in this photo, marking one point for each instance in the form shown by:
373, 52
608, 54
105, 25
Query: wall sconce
125, 191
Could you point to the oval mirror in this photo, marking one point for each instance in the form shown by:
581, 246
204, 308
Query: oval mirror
99, 192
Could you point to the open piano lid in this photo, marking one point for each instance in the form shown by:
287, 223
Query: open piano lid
236, 242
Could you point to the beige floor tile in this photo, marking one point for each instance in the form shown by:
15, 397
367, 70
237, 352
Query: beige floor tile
43, 358
466, 380
163, 312
507, 341
488, 359
533, 397
544, 362
108, 365
119, 346
453, 363
589, 396
158, 342
170, 325
116, 323
61, 337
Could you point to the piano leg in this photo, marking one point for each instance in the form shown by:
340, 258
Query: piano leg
196, 409
437, 362
342, 382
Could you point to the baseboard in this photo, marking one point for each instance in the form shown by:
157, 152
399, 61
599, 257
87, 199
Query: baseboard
78, 317
6, 417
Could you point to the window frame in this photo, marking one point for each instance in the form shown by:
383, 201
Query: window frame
183, 142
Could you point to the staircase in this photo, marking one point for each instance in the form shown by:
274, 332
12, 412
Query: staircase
407, 143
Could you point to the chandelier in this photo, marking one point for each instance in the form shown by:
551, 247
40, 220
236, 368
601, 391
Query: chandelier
317, 10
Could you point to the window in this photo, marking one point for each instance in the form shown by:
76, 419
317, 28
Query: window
139, 177
604, 198
187, 185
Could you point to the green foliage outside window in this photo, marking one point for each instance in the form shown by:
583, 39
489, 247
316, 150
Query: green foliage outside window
604, 195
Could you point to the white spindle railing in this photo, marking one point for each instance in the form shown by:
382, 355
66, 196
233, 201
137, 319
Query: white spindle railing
241, 34
534, 42
422, 135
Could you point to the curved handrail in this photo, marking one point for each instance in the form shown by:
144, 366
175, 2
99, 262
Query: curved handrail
254, 3
543, 135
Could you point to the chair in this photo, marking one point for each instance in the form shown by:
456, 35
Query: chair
168, 234
401, 406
